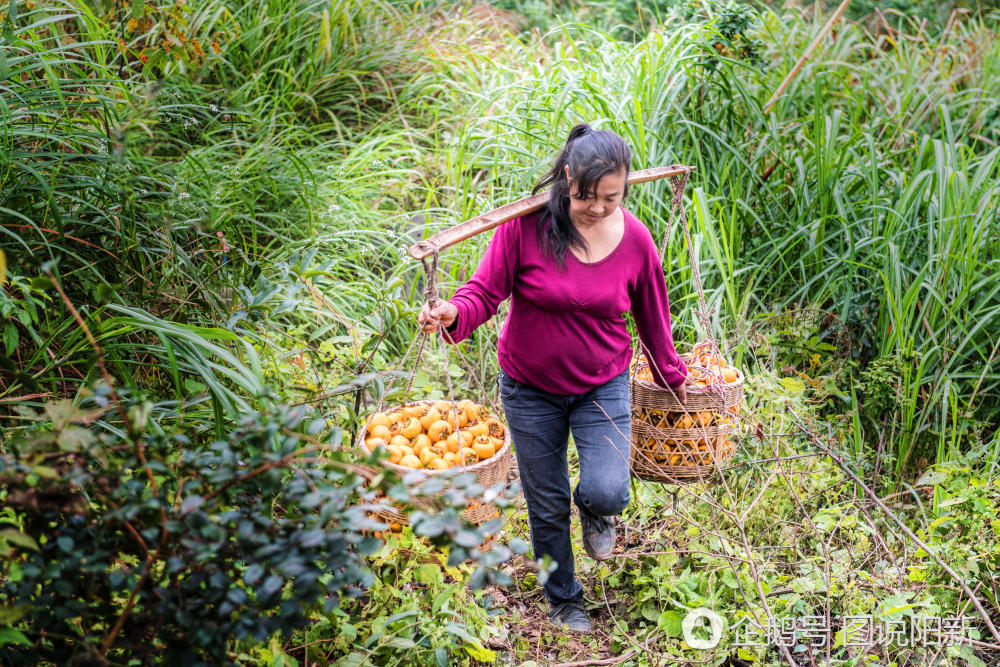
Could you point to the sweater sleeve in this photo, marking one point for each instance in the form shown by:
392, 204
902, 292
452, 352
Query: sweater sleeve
651, 310
478, 299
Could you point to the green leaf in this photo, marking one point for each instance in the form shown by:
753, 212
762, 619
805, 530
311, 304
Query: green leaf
803, 585
104, 293
746, 654
13, 636
897, 603
441, 599
75, 439
428, 574
967, 654
63, 412
670, 622
194, 386
13, 614
10, 338
467, 538
191, 503
46, 472
18, 538
793, 385
932, 477
650, 611
40, 283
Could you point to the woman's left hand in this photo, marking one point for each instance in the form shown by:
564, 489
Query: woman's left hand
682, 392
441, 315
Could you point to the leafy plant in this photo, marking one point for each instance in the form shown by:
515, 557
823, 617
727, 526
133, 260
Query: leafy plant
128, 543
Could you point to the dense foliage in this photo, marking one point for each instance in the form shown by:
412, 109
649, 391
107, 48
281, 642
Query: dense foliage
204, 208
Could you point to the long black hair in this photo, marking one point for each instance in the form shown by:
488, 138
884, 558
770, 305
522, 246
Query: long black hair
590, 155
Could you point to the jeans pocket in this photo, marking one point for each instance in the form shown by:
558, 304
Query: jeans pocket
509, 387
619, 386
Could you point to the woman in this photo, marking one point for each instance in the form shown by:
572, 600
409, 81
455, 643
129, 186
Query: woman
571, 270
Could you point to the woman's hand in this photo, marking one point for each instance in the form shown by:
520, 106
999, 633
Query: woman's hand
682, 391
431, 319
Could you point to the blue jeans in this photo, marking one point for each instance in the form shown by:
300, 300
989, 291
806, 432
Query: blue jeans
540, 424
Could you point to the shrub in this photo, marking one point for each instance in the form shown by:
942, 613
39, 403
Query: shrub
128, 542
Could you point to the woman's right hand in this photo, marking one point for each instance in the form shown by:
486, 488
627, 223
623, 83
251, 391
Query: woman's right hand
431, 319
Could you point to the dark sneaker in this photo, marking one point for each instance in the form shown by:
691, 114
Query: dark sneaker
570, 614
598, 535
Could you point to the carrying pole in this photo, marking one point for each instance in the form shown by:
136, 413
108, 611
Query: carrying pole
521, 207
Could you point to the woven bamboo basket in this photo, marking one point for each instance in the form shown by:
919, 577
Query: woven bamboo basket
662, 451
488, 472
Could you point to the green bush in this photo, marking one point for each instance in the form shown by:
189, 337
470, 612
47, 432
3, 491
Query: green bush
130, 543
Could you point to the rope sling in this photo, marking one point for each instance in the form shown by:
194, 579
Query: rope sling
666, 448
490, 473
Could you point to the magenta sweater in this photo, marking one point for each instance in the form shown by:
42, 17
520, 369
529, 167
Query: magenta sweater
565, 332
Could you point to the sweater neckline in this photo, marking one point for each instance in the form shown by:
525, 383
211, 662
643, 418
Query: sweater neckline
621, 242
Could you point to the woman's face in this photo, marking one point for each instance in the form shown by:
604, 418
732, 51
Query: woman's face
601, 203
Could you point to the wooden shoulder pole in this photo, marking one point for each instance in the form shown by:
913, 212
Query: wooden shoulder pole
521, 207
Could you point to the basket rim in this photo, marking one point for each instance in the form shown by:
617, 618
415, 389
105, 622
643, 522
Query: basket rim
692, 391
499, 458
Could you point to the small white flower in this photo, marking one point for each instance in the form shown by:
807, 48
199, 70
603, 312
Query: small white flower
333, 208
183, 195
214, 108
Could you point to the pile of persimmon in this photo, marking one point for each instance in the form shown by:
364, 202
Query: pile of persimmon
436, 436
685, 420
687, 451
705, 365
